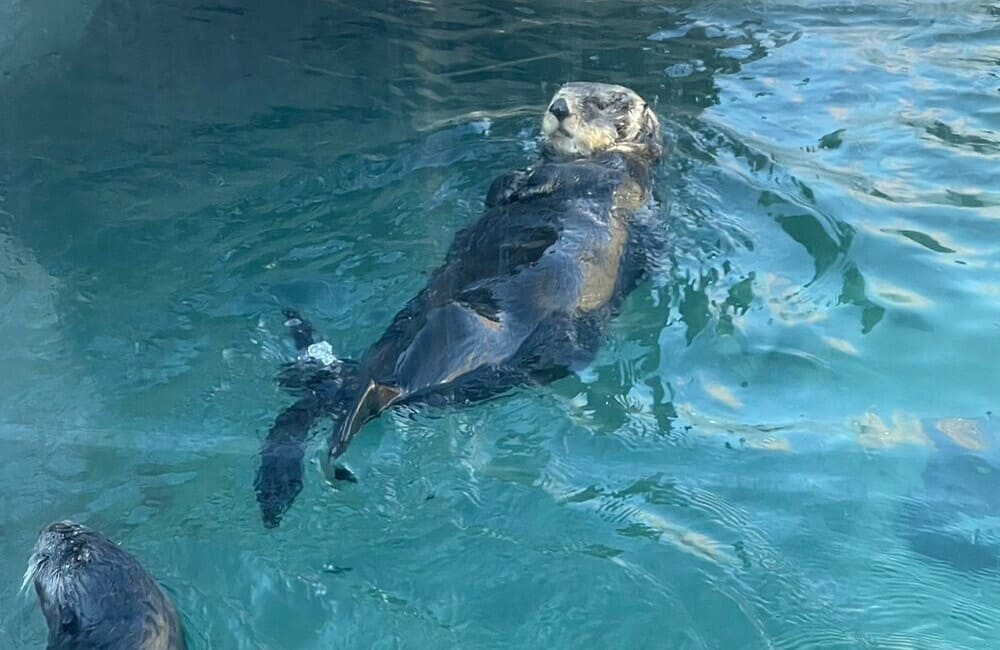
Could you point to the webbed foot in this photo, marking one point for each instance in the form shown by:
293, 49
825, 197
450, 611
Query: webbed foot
316, 367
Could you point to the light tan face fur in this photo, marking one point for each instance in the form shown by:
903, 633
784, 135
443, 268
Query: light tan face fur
599, 117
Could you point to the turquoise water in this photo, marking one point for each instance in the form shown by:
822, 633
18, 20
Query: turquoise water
752, 462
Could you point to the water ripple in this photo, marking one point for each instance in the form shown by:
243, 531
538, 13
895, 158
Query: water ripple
750, 462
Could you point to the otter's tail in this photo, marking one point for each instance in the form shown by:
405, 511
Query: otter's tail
279, 476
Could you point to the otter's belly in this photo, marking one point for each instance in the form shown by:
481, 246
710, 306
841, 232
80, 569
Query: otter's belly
601, 265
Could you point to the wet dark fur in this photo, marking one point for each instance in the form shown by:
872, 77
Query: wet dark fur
95, 595
523, 296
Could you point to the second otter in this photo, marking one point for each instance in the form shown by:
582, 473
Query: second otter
95, 595
523, 296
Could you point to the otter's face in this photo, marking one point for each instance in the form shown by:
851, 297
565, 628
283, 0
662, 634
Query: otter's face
584, 119
94, 594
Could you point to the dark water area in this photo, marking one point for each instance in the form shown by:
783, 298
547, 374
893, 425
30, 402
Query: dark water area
789, 440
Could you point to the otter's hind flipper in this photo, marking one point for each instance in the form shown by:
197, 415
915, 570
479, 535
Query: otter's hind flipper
371, 401
306, 375
316, 367
300, 329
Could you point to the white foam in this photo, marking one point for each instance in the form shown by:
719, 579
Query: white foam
322, 352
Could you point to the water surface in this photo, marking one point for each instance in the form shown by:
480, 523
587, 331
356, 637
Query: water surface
756, 459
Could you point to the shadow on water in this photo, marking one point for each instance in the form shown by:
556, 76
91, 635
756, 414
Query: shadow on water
955, 516
172, 173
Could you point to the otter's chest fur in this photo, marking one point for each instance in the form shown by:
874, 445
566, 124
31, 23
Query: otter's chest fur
585, 209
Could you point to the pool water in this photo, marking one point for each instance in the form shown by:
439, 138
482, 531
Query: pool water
788, 441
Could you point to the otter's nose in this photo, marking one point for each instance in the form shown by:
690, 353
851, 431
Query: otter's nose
560, 109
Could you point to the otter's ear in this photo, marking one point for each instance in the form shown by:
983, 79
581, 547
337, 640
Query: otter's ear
649, 133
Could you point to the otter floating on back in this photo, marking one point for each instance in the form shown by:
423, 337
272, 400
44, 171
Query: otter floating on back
95, 595
523, 296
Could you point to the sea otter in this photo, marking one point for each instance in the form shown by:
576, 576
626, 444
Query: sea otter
523, 296
95, 595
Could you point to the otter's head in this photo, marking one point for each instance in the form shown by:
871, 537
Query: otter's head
584, 119
95, 595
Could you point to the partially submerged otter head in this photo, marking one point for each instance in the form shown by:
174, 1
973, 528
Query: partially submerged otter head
95, 595
584, 119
